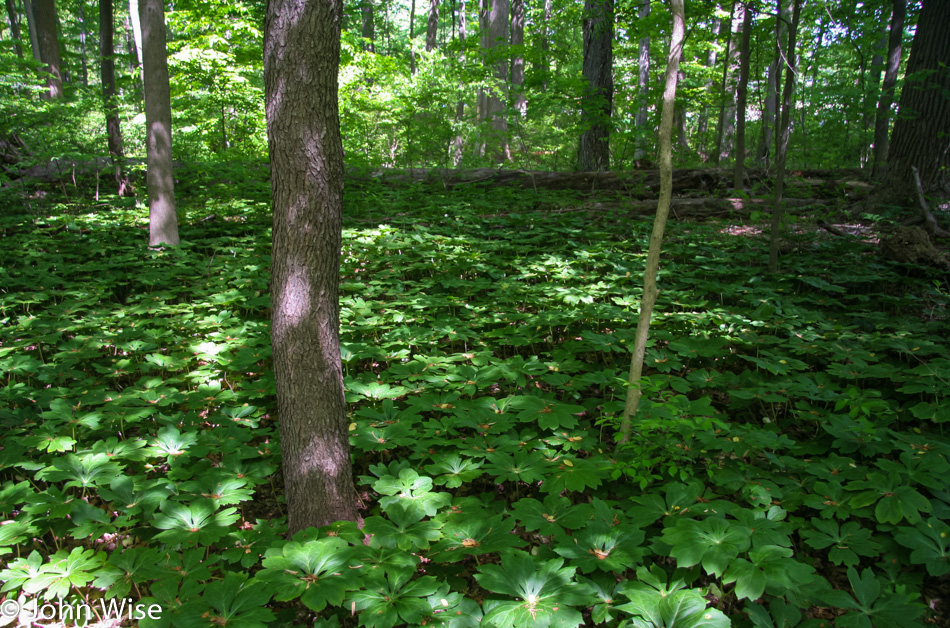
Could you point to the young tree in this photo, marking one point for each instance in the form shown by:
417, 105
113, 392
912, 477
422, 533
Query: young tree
650, 290
107, 75
727, 107
44, 12
597, 101
368, 30
163, 217
921, 135
772, 91
301, 64
882, 121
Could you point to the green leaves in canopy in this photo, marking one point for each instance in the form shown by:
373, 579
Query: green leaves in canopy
318, 572
545, 589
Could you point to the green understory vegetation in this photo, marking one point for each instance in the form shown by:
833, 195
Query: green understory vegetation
788, 465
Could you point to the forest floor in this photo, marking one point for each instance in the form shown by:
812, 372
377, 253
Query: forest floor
788, 465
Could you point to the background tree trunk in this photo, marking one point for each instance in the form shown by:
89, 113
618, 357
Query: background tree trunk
368, 30
135, 18
14, 28
886, 99
597, 102
517, 62
650, 290
31, 29
432, 27
82, 43
498, 98
44, 11
458, 142
163, 218
643, 88
783, 135
107, 76
703, 126
301, 64
727, 109
742, 97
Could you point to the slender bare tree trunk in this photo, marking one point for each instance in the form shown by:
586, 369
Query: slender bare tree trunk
110, 108
546, 47
82, 43
643, 87
163, 217
597, 102
44, 11
882, 121
650, 290
14, 19
301, 64
783, 133
741, 99
412, 32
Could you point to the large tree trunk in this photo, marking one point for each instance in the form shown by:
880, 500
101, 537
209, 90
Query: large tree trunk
497, 145
921, 134
517, 63
110, 108
882, 121
742, 97
301, 64
432, 27
46, 25
163, 218
31, 29
783, 135
14, 28
597, 102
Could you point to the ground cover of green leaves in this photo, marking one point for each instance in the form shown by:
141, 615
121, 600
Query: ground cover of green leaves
788, 465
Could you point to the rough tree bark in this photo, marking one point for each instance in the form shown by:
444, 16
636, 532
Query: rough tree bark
44, 12
783, 135
301, 63
882, 121
650, 290
921, 135
741, 98
597, 101
163, 217
110, 108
